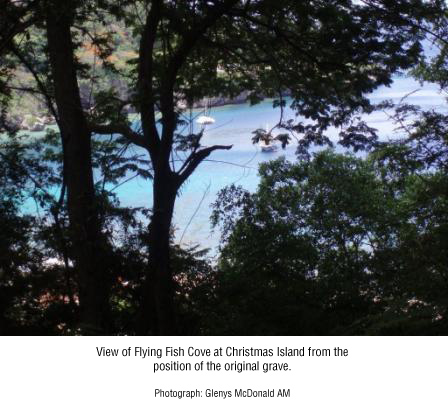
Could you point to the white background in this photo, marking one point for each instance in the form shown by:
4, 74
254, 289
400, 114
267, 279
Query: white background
376, 369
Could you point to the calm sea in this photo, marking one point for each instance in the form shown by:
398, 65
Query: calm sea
233, 125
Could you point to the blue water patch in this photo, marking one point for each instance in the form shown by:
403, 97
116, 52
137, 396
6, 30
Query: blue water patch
233, 126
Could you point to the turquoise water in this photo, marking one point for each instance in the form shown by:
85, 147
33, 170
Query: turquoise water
233, 126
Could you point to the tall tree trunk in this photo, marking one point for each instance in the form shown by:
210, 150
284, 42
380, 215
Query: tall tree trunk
159, 281
89, 247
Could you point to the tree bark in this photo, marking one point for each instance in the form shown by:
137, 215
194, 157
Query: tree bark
89, 246
158, 287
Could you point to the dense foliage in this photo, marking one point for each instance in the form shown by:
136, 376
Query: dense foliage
335, 245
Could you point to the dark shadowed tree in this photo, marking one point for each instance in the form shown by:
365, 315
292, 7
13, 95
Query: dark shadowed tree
336, 245
92, 253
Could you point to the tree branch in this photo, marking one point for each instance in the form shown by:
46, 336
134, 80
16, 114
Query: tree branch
178, 59
18, 26
190, 39
123, 130
145, 76
196, 159
39, 82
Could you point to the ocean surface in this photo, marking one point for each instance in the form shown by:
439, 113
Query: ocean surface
233, 126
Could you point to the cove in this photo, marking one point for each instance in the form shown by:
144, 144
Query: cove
234, 125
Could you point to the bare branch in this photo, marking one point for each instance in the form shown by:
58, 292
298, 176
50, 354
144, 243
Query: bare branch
121, 129
39, 82
196, 158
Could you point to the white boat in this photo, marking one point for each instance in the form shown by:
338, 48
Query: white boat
268, 147
205, 120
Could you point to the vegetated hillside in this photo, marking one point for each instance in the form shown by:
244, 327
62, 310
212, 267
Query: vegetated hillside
113, 49
112, 45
